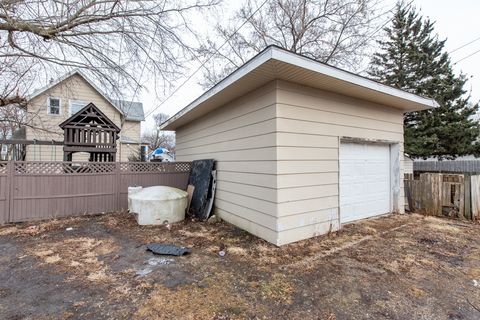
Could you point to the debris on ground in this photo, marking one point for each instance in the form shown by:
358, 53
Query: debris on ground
167, 249
214, 219
394, 267
222, 250
151, 265
32, 230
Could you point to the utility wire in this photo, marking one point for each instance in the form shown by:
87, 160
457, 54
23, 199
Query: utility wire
474, 53
208, 59
466, 44
236, 31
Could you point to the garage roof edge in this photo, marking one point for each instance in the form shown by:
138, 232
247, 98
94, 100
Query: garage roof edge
282, 55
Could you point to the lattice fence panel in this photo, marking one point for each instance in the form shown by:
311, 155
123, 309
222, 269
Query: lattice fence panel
35, 168
3, 167
155, 167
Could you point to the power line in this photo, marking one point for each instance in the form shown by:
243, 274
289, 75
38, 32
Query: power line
466, 44
236, 31
203, 63
474, 53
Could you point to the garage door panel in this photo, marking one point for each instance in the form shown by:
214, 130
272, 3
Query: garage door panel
364, 180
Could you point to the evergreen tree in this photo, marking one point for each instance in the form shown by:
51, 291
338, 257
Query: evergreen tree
412, 58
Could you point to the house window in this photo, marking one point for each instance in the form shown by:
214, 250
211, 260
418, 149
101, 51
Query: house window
53, 106
75, 106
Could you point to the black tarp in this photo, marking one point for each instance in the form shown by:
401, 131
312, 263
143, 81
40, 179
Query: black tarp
201, 179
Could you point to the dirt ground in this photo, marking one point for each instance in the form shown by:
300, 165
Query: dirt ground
396, 267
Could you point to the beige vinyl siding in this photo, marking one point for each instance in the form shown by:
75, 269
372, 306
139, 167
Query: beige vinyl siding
127, 151
44, 152
311, 123
131, 129
45, 126
277, 153
408, 164
240, 136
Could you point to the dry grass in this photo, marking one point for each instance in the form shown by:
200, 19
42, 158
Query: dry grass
278, 288
5, 231
81, 253
212, 299
388, 264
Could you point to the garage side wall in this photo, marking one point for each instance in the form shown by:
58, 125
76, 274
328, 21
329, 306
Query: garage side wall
240, 136
310, 124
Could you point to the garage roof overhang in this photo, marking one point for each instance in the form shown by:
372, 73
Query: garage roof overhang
275, 63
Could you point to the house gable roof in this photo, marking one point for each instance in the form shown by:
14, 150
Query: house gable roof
133, 111
275, 63
88, 114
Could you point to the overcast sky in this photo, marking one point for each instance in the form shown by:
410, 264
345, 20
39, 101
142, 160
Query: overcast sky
457, 21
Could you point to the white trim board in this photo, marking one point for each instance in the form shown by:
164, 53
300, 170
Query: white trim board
271, 64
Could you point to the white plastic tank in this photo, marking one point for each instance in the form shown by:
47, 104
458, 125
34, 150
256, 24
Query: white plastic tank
159, 204
132, 190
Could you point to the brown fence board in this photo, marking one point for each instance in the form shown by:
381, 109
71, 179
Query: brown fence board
438, 194
41, 190
475, 196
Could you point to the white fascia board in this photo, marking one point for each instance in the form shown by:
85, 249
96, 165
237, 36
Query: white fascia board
226, 82
285, 56
309, 64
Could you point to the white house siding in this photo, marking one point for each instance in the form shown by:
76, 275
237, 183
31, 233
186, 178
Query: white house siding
240, 136
310, 123
44, 126
408, 164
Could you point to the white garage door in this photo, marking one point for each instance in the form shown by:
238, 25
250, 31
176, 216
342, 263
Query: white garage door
364, 181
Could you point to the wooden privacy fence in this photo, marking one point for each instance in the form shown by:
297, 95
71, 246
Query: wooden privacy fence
41, 190
454, 195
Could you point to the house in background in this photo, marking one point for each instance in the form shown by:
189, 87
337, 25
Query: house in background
407, 164
301, 147
50, 106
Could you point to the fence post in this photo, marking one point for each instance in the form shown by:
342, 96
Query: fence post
117, 186
10, 191
468, 196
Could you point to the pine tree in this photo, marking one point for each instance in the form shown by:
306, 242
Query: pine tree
412, 58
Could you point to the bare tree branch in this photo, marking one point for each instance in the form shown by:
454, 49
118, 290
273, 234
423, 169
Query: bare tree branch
330, 31
157, 138
110, 40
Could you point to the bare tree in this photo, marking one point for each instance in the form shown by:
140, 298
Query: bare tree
113, 41
158, 138
331, 31
12, 119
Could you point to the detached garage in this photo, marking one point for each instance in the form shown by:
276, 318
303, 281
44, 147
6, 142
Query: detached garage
301, 147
